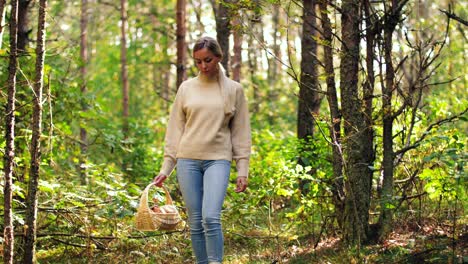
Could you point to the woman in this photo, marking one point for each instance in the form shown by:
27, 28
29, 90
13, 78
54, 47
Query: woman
208, 127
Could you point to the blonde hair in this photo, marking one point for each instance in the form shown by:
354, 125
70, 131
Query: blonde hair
210, 44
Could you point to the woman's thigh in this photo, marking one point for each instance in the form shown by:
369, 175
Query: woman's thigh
215, 182
190, 178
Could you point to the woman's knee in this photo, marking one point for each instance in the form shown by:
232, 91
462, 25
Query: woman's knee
212, 220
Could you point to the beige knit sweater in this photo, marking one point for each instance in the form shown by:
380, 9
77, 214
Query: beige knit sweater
209, 120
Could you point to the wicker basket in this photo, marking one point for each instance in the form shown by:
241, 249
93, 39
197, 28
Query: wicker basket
147, 220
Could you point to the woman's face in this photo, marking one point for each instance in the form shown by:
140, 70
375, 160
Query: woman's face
206, 61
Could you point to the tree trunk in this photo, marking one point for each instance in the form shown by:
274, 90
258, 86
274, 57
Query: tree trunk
237, 58
275, 66
254, 53
23, 25
2, 20
253, 67
156, 73
335, 116
161, 45
370, 57
309, 99
23, 116
166, 76
8, 231
386, 198
31, 202
124, 72
357, 182
368, 93
368, 86
223, 30
181, 45
369, 83
84, 88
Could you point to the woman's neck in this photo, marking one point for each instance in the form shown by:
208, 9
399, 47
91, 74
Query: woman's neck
208, 78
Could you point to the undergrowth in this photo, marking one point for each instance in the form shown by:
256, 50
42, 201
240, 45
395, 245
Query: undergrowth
409, 243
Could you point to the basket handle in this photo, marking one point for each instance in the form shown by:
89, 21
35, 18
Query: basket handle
144, 196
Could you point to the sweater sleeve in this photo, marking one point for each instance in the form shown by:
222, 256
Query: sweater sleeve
174, 131
240, 134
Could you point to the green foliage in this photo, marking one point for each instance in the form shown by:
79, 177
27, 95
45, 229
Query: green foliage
95, 221
445, 168
274, 194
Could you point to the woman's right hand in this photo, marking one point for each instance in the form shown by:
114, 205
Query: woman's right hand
158, 180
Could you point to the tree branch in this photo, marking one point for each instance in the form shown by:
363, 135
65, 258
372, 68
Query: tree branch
428, 129
414, 196
52, 235
68, 243
454, 17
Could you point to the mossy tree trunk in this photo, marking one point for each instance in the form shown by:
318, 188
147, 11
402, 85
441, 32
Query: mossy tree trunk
8, 231
355, 142
35, 150
84, 88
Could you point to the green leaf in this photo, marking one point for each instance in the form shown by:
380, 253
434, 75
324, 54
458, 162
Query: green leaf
77, 203
45, 186
284, 192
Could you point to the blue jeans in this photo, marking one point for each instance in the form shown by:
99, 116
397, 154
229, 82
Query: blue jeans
203, 184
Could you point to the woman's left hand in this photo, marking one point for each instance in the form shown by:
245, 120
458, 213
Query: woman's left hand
241, 184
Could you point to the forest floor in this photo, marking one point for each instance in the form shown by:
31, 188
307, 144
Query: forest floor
427, 242
409, 243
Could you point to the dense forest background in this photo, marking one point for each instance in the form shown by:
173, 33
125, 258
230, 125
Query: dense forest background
358, 112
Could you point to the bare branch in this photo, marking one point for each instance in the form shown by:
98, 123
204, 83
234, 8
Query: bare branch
444, 82
106, 237
69, 244
428, 129
454, 17
406, 186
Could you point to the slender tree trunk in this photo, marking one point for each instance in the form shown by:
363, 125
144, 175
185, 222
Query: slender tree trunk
369, 83
124, 72
181, 44
335, 115
385, 220
23, 25
254, 53
309, 99
2, 20
161, 44
368, 87
253, 67
31, 202
357, 182
275, 64
84, 88
223, 30
166, 76
22, 118
156, 48
237, 58
8, 231
370, 57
